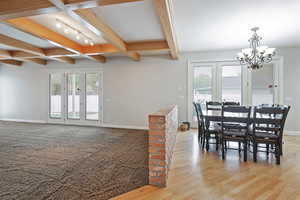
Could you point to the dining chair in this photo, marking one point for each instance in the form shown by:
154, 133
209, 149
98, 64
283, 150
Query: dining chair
287, 110
235, 127
231, 103
213, 105
267, 128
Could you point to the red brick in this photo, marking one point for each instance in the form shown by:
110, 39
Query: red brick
157, 126
157, 119
157, 132
157, 144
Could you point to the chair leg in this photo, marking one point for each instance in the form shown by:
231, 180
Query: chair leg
268, 149
277, 153
207, 142
203, 140
223, 150
199, 135
217, 142
280, 147
245, 151
254, 151
239, 147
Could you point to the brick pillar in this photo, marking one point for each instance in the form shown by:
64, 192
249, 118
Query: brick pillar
162, 137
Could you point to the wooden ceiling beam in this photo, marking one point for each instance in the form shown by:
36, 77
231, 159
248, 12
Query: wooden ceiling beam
30, 26
11, 62
148, 46
98, 23
111, 2
5, 53
57, 52
43, 32
10, 9
98, 58
164, 10
39, 61
93, 50
22, 54
64, 59
18, 44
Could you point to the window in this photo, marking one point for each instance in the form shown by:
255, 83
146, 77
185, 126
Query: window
202, 90
55, 95
74, 96
232, 83
263, 85
92, 96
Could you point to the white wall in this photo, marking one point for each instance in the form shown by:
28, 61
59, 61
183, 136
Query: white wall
23, 92
132, 89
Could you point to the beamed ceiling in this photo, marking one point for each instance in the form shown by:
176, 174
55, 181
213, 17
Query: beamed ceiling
29, 32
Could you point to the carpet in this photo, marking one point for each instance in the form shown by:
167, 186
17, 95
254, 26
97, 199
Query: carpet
40, 161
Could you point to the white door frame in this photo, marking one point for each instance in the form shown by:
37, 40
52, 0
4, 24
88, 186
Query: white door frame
278, 63
82, 121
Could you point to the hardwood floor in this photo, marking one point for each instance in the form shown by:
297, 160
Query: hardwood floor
203, 175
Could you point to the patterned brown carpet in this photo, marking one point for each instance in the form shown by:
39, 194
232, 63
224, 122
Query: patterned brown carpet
70, 162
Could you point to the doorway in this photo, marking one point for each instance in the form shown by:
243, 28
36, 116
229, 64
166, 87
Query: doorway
75, 98
229, 81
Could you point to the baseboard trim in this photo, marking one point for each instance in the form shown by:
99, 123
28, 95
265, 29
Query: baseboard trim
102, 125
125, 127
24, 121
292, 133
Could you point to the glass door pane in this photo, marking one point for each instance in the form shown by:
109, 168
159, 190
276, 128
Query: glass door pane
55, 95
92, 96
202, 84
263, 85
73, 81
232, 84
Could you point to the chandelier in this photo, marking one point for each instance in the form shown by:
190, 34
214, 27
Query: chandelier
257, 55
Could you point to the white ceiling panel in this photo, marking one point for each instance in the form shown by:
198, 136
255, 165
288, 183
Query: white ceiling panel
132, 21
3, 47
203, 25
25, 37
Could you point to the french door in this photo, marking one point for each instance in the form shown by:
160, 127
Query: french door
229, 81
75, 98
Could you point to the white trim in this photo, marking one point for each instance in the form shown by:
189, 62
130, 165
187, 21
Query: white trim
24, 120
292, 133
62, 123
278, 61
124, 127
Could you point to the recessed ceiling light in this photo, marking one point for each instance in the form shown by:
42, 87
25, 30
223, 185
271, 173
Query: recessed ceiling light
92, 43
77, 37
66, 30
86, 41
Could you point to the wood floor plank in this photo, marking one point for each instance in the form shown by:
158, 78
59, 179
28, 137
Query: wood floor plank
196, 174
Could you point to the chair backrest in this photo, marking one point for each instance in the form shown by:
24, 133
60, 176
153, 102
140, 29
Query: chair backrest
231, 103
236, 118
197, 112
269, 119
213, 105
287, 110
200, 116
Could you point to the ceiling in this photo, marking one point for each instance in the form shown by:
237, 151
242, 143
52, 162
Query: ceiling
205, 25
200, 25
